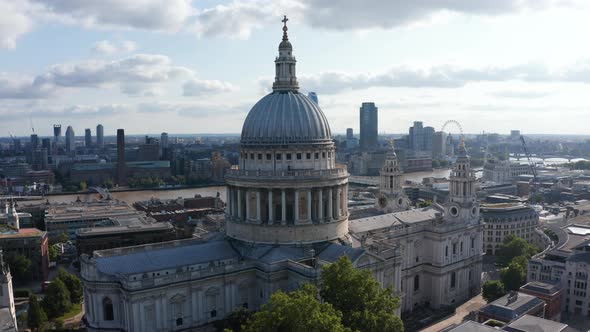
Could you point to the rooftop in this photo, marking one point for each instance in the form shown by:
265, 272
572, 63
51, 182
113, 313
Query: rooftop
163, 226
541, 287
401, 219
511, 306
6, 233
471, 326
169, 255
528, 323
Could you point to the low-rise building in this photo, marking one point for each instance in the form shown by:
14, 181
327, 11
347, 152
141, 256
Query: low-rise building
29, 242
551, 294
68, 218
504, 171
528, 323
101, 238
511, 307
566, 263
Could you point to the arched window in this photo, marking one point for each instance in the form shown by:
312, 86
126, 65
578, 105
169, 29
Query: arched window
107, 309
179, 322
446, 250
453, 279
416, 282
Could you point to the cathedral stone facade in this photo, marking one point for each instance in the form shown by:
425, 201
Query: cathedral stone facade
287, 216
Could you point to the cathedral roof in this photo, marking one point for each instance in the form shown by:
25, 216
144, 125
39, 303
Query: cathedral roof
285, 117
170, 256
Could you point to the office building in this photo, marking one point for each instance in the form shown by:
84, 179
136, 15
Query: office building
87, 137
421, 138
70, 140
121, 178
439, 145
349, 133
314, 97
368, 126
506, 219
39, 159
100, 136
34, 142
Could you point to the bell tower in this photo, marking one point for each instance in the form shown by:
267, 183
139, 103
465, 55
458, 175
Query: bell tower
462, 203
391, 196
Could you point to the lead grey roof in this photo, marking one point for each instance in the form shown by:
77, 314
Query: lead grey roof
156, 259
530, 323
501, 308
471, 326
285, 117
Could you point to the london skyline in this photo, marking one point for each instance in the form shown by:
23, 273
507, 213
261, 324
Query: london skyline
188, 67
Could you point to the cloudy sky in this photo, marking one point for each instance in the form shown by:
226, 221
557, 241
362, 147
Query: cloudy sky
185, 66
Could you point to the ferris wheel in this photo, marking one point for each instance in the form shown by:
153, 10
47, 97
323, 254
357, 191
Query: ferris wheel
455, 124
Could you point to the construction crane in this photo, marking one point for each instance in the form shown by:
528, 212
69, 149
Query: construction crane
531, 164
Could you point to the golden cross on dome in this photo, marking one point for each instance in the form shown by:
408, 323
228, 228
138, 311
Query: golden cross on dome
285, 19
392, 144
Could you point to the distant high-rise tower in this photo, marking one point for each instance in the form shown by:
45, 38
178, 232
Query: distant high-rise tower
100, 136
70, 140
439, 144
56, 137
34, 141
121, 179
368, 126
39, 159
87, 137
164, 140
313, 96
56, 133
46, 144
164, 146
349, 133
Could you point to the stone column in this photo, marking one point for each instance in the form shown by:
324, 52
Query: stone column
309, 206
247, 205
258, 207
271, 211
283, 207
338, 202
330, 205
296, 206
321, 205
240, 204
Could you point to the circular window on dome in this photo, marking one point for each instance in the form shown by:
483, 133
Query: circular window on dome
382, 201
474, 211
400, 201
454, 211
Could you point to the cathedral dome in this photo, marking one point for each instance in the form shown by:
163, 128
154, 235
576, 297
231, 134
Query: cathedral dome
286, 117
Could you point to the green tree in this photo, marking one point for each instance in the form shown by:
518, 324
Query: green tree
513, 276
435, 163
493, 290
53, 253
20, 267
234, 321
57, 299
514, 246
83, 185
299, 311
73, 284
358, 295
63, 237
36, 317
